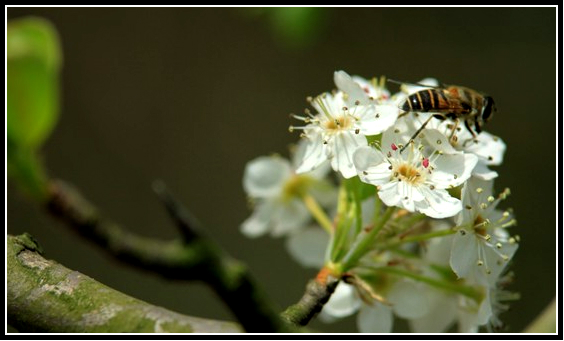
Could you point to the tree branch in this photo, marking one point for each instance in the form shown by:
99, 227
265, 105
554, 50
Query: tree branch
193, 258
318, 292
44, 296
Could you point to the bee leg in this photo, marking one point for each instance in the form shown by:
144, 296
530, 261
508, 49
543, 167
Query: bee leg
416, 133
467, 125
403, 114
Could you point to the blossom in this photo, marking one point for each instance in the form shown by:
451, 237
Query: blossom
412, 180
276, 190
341, 127
482, 248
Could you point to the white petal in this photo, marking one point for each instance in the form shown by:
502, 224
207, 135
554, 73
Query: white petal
365, 157
409, 300
307, 246
496, 260
376, 119
464, 254
314, 154
389, 194
439, 141
343, 302
265, 176
375, 319
483, 172
438, 203
257, 224
345, 83
488, 147
288, 216
343, 146
452, 170
441, 315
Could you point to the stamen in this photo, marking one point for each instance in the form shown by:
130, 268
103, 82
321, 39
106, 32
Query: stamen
394, 147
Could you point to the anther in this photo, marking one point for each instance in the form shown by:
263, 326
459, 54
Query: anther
468, 207
498, 245
425, 162
365, 172
390, 168
433, 187
291, 129
480, 263
396, 131
483, 205
394, 147
488, 237
357, 131
462, 232
377, 115
479, 190
439, 141
455, 176
491, 199
490, 158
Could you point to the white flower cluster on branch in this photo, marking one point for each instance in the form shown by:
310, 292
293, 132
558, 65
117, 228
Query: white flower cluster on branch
408, 220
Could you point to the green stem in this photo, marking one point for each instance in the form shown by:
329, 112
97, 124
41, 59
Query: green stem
419, 237
448, 286
318, 213
362, 246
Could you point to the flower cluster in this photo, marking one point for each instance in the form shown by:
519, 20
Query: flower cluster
409, 221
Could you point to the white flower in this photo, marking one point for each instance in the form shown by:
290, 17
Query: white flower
482, 248
411, 180
405, 299
276, 190
338, 129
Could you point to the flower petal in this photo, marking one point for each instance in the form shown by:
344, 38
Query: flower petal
264, 176
438, 203
343, 146
441, 314
488, 147
375, 319
375, 119
464, 253
345, 83
307, 246
288, 216
314, 154
343, 302
408, 299
452, 170
257, 224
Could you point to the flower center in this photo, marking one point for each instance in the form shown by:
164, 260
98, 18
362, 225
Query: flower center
479, 226
295, 187
408, 173
339, 123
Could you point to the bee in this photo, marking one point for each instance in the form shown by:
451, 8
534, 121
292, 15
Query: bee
453, 102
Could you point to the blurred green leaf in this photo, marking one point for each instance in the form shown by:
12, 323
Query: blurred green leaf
293, 26
34, 59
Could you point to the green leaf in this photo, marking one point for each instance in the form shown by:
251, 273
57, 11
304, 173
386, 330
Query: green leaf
34, 59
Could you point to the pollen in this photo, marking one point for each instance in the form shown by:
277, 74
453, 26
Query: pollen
408, 173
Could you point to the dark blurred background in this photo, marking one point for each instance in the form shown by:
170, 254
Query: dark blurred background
189, 95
